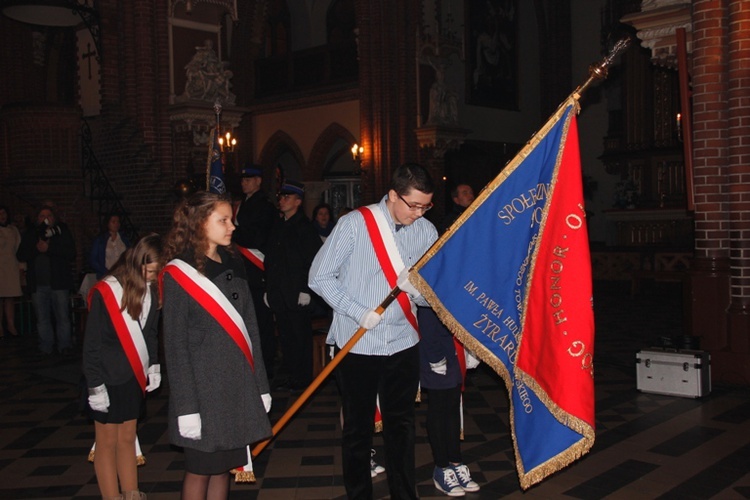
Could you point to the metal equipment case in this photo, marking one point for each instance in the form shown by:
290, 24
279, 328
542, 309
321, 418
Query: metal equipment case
673, 372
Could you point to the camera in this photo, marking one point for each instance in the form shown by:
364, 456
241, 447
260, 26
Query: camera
45, 232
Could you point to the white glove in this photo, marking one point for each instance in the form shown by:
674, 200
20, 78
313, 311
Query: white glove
303, 299
370, 319
154, 378
471, 360
266, 401
190, 426
99, 398
405, 285
441, 367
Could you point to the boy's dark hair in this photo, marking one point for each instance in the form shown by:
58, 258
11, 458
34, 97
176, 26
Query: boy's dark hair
412, 176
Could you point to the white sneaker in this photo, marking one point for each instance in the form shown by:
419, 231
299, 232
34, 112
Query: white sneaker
375, 468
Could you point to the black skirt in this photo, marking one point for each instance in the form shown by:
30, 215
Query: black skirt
207, 463
125, 403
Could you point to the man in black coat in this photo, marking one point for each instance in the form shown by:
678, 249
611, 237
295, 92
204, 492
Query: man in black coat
462, 196
254, 220
291, 250
48, 249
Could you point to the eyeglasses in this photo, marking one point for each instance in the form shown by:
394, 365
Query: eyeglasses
416, 206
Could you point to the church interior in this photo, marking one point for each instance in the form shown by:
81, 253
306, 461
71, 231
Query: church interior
111, 106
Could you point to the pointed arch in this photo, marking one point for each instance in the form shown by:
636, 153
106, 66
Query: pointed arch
281, 149
334, 134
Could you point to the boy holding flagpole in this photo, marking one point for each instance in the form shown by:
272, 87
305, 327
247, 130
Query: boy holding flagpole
368, 253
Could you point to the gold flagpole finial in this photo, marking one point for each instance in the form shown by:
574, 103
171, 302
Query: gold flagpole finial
599, 71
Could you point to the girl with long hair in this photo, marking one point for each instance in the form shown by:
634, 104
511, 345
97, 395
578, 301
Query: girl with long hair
219, 393
120, 362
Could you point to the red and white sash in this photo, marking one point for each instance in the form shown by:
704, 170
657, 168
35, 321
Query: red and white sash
255, 256
208, 295
128, 330
388, 256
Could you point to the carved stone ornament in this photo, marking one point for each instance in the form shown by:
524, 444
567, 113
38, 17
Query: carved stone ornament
443, 98
200, 119
657, 23
207, 78
441, 139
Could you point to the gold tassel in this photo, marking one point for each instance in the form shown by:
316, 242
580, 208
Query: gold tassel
243, 476
139, 460
379, 426
418, 399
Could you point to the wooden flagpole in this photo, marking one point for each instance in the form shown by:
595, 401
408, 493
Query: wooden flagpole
322, 375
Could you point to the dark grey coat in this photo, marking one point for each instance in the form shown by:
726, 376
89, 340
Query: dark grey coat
208, 374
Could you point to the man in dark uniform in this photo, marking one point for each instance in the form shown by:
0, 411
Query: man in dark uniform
462, 196
292, 247
254, 219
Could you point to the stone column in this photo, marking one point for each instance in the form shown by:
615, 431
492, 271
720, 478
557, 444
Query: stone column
733, 363
710, 277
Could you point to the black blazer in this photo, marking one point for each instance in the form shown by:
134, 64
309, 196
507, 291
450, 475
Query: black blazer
104, 359
292, 247
255, 219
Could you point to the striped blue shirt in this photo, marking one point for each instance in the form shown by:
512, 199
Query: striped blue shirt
346, 273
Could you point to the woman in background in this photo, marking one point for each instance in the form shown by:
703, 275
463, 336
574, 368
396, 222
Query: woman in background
322, 219
10, 276
107, 247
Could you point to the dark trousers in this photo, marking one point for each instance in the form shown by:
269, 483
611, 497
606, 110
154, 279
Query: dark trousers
295, 336
444, 425
395, 379
265, 329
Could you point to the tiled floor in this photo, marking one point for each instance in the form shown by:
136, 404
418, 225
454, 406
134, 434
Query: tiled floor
647, 446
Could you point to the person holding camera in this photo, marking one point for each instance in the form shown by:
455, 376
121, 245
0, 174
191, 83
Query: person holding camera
48, 250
